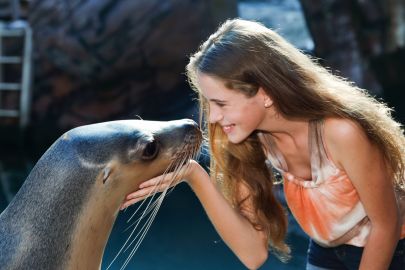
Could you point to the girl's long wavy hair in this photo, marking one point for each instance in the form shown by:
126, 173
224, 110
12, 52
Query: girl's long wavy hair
246, 55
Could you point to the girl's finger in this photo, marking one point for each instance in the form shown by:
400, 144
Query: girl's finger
172, 178
129, 203
152, 186
141, 195
152, 182
143, 192
138, 193
157, 181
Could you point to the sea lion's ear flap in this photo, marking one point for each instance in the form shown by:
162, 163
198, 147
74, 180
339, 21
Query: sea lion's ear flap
106, 173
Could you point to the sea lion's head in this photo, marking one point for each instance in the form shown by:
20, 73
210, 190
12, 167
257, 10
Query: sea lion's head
128, 152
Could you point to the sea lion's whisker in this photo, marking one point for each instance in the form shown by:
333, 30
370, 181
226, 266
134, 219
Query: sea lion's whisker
124, 245
149, 219
151, 192
144, 213
147, 210
149, 207
140, 206
149, 223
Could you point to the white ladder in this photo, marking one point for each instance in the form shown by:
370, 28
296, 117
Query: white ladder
17, 29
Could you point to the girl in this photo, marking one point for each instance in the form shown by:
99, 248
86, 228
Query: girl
340, 153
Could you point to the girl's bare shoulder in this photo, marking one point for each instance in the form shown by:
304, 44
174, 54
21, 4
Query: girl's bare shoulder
345, 139
343, 130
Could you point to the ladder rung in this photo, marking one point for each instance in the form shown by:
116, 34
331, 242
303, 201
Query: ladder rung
9, 113
10, 86
7, 32
10, 59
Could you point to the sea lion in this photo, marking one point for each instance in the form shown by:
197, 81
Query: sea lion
63, 214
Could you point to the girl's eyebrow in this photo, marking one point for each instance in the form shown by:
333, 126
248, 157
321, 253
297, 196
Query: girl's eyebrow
218, 100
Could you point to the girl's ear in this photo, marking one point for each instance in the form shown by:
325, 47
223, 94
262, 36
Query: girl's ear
267, 100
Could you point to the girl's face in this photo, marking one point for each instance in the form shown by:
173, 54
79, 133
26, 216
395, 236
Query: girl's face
237, 114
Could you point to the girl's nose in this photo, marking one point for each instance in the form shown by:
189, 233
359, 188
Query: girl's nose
215, 116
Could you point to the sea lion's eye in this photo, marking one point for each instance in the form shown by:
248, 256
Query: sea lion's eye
151, 150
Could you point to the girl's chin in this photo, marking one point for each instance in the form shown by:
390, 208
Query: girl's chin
235, 139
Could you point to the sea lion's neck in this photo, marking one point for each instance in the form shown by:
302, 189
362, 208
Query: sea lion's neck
47, 208
92, 229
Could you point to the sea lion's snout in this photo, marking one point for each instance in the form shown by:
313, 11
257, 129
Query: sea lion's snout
192, 132
191, 143
183, 136
181, 128
190, 126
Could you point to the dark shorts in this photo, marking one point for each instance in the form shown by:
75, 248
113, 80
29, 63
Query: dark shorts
347, 257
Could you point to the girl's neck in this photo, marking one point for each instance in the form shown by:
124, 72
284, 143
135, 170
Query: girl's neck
283, 129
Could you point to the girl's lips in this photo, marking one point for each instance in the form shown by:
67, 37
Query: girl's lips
228, 128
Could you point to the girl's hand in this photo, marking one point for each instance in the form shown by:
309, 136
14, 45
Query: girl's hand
160, 183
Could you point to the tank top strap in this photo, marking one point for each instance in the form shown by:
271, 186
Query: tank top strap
321, 166
274, 157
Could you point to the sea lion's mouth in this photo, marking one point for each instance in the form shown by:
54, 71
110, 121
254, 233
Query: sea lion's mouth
189, 149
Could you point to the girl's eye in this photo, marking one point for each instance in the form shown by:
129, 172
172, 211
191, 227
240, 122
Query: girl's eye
221, 104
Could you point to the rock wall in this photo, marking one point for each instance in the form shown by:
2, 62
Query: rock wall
106, 59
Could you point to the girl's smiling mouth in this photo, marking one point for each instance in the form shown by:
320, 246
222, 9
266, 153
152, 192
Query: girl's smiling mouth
228, 128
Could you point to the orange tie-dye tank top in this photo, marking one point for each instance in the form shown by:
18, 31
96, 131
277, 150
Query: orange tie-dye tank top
327, 207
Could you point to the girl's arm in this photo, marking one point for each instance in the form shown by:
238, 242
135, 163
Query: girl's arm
248, 244
352, 151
